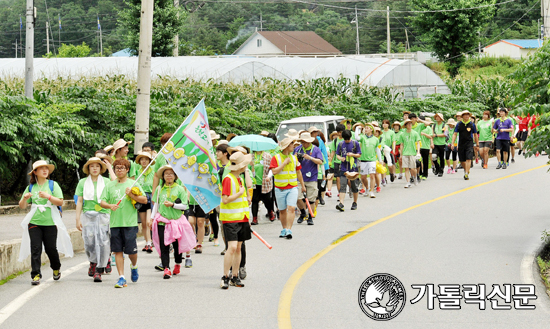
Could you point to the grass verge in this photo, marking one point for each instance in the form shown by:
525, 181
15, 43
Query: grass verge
13, 276
543, 260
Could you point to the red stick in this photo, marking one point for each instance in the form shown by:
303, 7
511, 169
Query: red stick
262, 239
308, 206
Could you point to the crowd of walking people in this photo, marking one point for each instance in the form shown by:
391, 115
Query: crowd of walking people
291, 180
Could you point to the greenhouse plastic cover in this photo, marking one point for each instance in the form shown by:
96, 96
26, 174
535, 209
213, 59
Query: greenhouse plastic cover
406, 75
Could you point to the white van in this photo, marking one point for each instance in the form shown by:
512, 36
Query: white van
326, 123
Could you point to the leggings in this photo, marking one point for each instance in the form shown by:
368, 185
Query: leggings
46, 235
214, 223
448, 153
257, 195
440, 161
425, 153
165, 250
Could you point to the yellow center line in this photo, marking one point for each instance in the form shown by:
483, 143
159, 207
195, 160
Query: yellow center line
285, 300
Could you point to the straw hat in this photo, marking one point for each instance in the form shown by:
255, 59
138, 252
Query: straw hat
375, 123
377, 129
466, 112
230, 137
120, 144
396, 123
439, 115
232, 150
108, 148
428, 121
345, 121
370, 126
313, 129
406, 112
161, 170
503, 109
94, 160
286, 143
333, 135
239, 160
406, 121
223, 141
264, 133
142, 154
306, 137
292, 133
458, 114
351, 175
213, 135
451, 122
105, 157
42, 163
357, 124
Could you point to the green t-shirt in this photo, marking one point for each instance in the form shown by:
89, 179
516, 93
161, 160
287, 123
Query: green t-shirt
330, 149
513, 125
159, 162
126, 214
146, 180
388, 137
258, 169
171, 194
368, 148
418, 127
91, 205
43, 218
397, 135
338, 141
439, 130
425, 140
484, 129
409, 141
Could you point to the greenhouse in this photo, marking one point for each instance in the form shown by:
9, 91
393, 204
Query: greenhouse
411, 78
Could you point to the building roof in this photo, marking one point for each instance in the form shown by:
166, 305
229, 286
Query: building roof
521, 43
300, 43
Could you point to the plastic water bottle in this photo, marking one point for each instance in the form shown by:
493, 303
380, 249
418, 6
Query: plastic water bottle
323, 183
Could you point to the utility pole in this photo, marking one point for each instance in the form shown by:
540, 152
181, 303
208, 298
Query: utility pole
16, 46
545, 11
388, 30
356, 32
407, 36
29, 49
175, 51
144, 74
47, 37
479, 43
262, 22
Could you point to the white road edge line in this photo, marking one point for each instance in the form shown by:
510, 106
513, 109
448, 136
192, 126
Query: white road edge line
528, 276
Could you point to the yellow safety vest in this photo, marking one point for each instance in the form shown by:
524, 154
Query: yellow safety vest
288, 175
238, 209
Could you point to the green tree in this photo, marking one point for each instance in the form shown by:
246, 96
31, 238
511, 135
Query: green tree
71, 51
451, 34
167, 23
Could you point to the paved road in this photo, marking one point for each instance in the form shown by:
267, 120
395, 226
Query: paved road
481, 235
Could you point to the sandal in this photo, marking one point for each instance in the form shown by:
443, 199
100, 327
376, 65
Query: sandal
198, 249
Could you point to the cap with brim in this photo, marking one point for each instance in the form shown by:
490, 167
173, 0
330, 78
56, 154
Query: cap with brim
375, 123
232, 150
351, 175
458, 114
306, 137
239, 160
292, 133
377, 129
42, 163
120, 144
332, 134
406, 112
428, 121
161, 170
264, 133
396, 123
94, 160
439, 115
466, 112
230, 136
142, 154
213, 135
105, 157
358, 124
451, 122
406, 121
286, 143
370, 126
312, 129
108, 148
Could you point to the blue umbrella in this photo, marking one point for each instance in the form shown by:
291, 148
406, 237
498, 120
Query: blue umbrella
254, 142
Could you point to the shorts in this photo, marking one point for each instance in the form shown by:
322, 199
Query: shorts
503, 145
337, 169
311, 191
146, 206
488, 144
368, 167
286, 198
465, 152
344, 184
408, 161
196, 211
123, 239
522, 136
237, 231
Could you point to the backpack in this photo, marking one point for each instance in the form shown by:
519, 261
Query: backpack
50, 184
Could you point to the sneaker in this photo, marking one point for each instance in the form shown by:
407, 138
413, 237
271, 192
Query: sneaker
135, 274
211, 237
301, 218
415, 182
519, 153
350, 194
56, 275
407, 185
321, 201
36, 280
340, 207
149, 249
504, 165
378, 190
91, 269
449, 171
167, 273
225, 282
423, 178
477, 161
383, 184
97, 277
283, 233
453, 172
254, 221
310, 221
315, 213
513, 160
108, 268
159, 267
144, 248
189, 262
223, 252
400, 176
362, 191
242, 273
371, 195
353, 207
121, 283
328, 194
288, 234
207, 230
499, 165
412, 180
440, 174
198, 250
485, 166
272, 216
466, 177
392, 177
236, 281
177, 269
